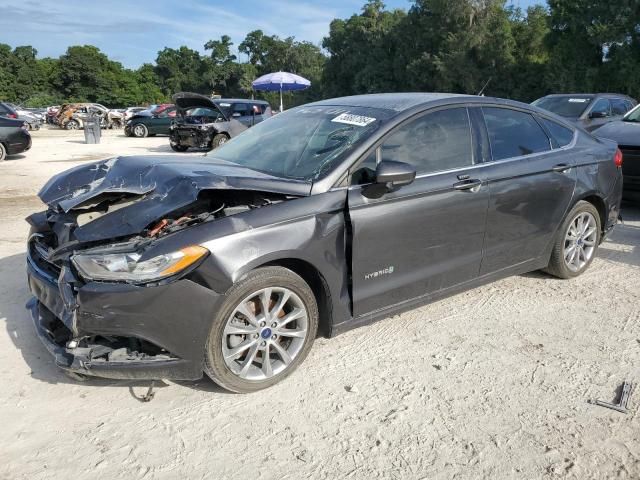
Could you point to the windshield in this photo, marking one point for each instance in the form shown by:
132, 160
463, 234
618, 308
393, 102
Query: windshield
303, 143
633, 115
570, 107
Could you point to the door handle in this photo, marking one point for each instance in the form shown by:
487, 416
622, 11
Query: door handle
467, 184
561, 168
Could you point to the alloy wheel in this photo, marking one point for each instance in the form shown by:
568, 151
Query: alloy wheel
580, 241
265, 333
138, 131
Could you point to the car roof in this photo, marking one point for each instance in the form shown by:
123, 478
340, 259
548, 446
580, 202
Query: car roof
398, 102
239, 100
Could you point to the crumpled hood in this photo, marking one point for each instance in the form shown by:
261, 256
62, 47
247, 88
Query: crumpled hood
187, 100
625, 133
162, 184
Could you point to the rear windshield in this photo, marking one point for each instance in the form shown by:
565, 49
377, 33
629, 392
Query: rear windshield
570, 107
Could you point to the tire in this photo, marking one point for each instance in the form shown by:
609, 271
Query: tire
3, 153
178, 148
570, 258
72, 125
139, 130
218, 140
266, 336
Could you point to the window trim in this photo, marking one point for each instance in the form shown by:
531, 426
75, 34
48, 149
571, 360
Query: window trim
376, 146
573, 131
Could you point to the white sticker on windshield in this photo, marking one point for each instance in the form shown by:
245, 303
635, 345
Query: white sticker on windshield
350, 119
578, 100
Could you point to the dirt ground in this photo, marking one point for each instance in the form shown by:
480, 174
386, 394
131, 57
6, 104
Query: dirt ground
492, 383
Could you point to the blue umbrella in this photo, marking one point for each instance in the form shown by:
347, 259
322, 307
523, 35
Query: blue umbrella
280, 81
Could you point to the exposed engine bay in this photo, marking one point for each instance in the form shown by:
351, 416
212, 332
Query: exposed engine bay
61, 240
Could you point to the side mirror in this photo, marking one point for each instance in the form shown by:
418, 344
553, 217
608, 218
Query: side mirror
597, 114
394, 174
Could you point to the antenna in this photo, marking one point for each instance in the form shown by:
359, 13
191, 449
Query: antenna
481, 92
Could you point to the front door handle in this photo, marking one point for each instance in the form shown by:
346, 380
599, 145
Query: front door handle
467, 184
561, 168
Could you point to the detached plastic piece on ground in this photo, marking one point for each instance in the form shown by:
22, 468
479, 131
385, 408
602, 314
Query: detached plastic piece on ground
621, 406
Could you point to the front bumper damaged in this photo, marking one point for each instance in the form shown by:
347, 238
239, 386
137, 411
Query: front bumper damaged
121, 331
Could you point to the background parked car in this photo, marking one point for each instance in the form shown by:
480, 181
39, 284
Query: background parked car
151, 122
73, 116
7, 111
33, 120
247, 112
14, 137
591, 110
206, 123
131, 111
627, 133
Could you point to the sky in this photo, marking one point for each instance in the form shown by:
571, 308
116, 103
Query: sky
132, 32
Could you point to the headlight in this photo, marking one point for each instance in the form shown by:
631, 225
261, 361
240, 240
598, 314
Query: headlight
127, 267
128, 122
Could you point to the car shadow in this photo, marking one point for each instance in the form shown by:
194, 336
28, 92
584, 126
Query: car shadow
19, 328
16, 156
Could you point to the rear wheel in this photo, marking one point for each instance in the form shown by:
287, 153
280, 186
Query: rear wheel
218, 140
263, 331
3, 153
139, 130
577, 242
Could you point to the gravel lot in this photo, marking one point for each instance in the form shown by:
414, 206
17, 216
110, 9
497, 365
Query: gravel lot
492, 383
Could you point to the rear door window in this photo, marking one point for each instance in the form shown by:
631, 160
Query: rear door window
242, 110
562, 135
618, 106
513, 133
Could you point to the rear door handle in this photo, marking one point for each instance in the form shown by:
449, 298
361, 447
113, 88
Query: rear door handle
561, 168
467, 184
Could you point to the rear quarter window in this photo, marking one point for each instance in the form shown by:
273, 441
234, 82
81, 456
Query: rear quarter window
513, 133
562, 135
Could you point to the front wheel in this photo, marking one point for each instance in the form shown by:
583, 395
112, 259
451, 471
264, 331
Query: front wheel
139, 130
263, 331
218, 140
72, 125
3, 153
577, 242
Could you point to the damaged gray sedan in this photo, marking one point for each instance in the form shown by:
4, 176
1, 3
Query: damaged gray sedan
326, 217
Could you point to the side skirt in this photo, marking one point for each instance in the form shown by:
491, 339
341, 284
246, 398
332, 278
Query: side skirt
411, 304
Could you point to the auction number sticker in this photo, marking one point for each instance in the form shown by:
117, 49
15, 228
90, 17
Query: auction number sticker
578, 100
351, 119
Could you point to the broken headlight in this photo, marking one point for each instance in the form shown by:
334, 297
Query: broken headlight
127, 267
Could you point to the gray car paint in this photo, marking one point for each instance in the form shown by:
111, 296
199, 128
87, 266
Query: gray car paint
333, 235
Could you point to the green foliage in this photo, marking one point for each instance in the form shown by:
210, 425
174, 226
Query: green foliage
435, 45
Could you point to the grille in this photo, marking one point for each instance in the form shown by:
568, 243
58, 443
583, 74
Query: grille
39, 254
630, 161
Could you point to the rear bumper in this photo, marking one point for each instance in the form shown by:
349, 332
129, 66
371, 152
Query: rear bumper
122, 331
19, 143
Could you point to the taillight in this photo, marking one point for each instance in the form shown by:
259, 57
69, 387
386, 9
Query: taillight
617, 158
12, 115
